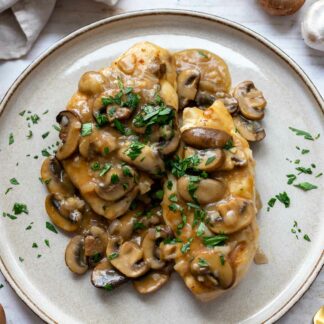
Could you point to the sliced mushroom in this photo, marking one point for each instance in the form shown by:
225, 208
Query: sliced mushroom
69, 133
74, 255
203, 137
204, 99
143, 157
234, 157
105, 276
250, 99
95, 242
169, 146
55, 178
129, 259
192, 188
64, 214
212, 269
2, 315
250, 130
92, 83
229, 101
123, 226
229, 216
150, 246
100, 142
188, 81
153, 280
117, 112
116, 183
209, 160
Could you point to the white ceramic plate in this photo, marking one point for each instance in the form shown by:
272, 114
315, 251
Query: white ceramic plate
46, 285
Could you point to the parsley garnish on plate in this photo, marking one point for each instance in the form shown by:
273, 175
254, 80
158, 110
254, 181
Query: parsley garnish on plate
284, 198
11, 138
14, 181
300, 132
51, 227
19, 208
202, 263
186, 246
306, 186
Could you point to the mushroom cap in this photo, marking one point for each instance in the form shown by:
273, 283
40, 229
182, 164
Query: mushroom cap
130, 258
281, 7
230, 215
57, 218
251, 100
74, 255
228, 100
188, 81
69, 133
205, 138
55, 178
209, 159
206, 190
92, 82
252, 131
104, 274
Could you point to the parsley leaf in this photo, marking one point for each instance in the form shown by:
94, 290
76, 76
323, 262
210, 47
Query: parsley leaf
299, 132
19, 208
284, 198
11, 138
306, 186
14, 181
134, 150
86, 129
51, 227
216, 240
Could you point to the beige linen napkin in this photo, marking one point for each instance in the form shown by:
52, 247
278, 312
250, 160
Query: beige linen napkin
21, 21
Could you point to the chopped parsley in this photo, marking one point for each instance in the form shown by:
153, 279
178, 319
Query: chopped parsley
173, 197
106, 150
271, 203
306, 186
47, 243
201, 53
138, 225
304, 151
114, 178
34, 246
51, 227
306, 238
105, 169
134, 150
299, 132
186, 246
86, 129
304, 170
215, 240
1, 286
169, 184
19, 208
127, 172
201, 229
45, 153
202, 263
22, 113
284, 198
228, 145
101, 119
172, 240
45, 135
21, 259
175, 207
29, 135
319, 175
210, 160
57, 127
113, 256
95, 166
108, 287
119, 126
159, 194
29, 227
12, 217
34, 118
180, 167
291, 178
14, 181
8, 189
11, 138
222, 259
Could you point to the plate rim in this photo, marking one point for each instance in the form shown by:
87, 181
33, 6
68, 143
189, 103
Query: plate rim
277, 313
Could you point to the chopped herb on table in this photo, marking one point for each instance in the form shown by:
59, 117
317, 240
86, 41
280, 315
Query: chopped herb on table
10, 188
306, 238
21, 259
29, 135
11, 138
34, 246
14, 181
291, 178
271, 203
47, 242
299, 132
45, 135
19, 208
304, 170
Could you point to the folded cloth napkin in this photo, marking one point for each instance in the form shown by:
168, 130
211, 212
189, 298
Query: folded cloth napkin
21, 21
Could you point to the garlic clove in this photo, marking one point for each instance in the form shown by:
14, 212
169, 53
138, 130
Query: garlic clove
313, 26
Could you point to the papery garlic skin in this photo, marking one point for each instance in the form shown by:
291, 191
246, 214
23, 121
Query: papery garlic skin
313, 26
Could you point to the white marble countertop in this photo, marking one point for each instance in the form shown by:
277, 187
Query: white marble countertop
283, 31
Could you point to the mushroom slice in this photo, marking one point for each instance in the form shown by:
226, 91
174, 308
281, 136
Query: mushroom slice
121, 113
250, 99
188, 81
61, 216
213, 269
105, 276
95, 242
92, 83
143, 157
101, 141
74, 255
123, 226
204, 99
209, 160
229, 101
116, 183
233, 157
229, 216
153, 280
169, 146
151, 243
55, 178
69, 133
205, 138
204, 191
128, 259
252, 131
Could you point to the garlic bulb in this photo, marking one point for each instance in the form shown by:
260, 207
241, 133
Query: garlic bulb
313, 26
281, 7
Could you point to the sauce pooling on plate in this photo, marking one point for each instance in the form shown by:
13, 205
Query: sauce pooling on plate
155, 172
